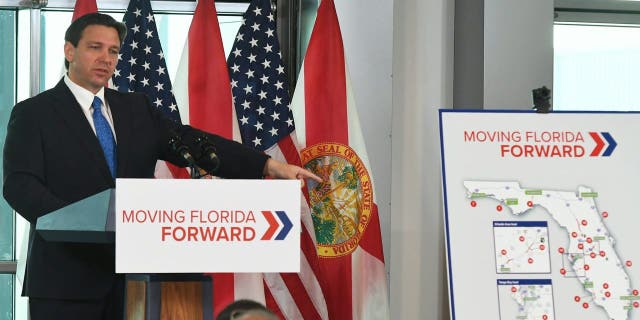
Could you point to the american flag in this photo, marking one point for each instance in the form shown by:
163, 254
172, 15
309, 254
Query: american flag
141, 64
258, 80
142, 68
259, 86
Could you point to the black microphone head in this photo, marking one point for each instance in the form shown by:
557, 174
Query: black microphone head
176, 145
208, 159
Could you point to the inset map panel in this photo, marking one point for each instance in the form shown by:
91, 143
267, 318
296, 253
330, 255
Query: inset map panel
525, 299
521, 246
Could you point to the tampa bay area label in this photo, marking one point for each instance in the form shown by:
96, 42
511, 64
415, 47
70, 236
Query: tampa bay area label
341, 205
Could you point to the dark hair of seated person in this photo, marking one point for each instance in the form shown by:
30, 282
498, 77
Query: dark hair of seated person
237, 308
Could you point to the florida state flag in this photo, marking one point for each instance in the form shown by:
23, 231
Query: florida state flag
344, 209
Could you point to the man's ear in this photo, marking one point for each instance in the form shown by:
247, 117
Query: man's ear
69, 51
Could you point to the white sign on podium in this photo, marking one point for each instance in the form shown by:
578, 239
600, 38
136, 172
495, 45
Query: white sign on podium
198, 226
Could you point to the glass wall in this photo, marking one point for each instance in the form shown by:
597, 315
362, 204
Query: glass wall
172, 29
15, 55
596, 67
7, 99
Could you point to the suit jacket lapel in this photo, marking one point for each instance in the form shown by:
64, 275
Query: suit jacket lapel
71, 113
122, 118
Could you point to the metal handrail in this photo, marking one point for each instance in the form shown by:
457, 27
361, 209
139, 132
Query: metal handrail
8, 267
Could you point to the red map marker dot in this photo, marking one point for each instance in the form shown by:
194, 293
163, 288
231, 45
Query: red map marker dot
576, 298
530, 203
605, 285
602, 254
530, 260
574, 234
636, 304
513, 289
563, 272
628, 263
504, 252
593, 255
474, 203
580, 246
635, 292
605, 214
589, 240
586, 267
542, 247
561, 250
584, 222
585, 305
499, 208
545, 317
607, 294
521, 239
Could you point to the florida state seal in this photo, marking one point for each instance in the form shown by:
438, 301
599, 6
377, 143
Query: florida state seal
341, 205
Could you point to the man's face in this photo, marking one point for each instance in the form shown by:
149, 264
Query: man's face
94, 60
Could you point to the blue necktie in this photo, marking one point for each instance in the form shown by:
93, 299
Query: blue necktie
104, 134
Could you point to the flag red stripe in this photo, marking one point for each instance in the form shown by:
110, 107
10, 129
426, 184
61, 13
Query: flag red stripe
338, 291
302, 299
223, 291
288, 149
371, 240
325, 81
83, 7
177, 172
270, 302
208, 76
310, 252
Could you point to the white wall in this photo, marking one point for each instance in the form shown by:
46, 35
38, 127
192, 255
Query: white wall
518, 51
422, 83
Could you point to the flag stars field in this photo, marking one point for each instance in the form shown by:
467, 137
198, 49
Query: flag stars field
140, 62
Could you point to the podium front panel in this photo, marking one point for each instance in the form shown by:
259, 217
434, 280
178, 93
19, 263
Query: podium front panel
199, 226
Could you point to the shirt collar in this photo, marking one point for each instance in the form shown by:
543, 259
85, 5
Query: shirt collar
82, 95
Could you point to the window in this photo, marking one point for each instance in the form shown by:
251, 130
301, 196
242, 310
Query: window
172, 29
596, 55
173, 24
596, 67
7, 99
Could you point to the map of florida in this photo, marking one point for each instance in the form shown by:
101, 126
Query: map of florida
591, 252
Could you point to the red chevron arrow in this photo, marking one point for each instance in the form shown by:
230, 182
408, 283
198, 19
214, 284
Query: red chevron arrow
273, 225
599, 144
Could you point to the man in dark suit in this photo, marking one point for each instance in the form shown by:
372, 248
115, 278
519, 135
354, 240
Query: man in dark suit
71, 142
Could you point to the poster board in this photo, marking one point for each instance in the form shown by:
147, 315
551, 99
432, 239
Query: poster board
541, 214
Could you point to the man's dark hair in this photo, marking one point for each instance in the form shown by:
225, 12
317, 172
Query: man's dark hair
75, 30
239, 307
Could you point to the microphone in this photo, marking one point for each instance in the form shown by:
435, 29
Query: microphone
208, 159
176, 145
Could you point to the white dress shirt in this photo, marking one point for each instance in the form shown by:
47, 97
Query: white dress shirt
85, 99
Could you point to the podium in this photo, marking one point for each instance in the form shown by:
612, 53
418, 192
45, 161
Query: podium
170, 233
90, 220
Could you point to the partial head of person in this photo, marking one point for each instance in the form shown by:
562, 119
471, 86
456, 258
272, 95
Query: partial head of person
92, 44
246, 310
